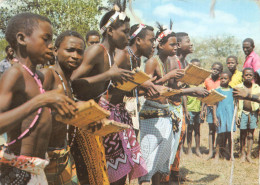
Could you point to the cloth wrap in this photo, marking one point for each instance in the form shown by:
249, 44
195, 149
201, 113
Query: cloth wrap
62, 169
159, 137
123, 152
21, 169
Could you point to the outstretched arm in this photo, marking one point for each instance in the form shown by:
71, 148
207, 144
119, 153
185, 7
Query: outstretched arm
240, 93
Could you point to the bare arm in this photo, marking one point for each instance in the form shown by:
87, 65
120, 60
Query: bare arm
215, 119
9, 84
240, 93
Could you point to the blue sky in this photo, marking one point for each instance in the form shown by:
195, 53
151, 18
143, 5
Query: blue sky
240, 18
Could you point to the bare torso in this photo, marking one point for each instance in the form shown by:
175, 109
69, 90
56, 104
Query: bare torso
36, 142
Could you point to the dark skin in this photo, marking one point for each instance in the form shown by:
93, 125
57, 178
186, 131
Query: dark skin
222, 138
69, 56
93, 39
247, 134
194, 126
20, 95
231, 65
141, 47
152, 66
95, 68
248, 48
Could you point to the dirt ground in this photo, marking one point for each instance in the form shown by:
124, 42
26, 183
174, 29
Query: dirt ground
203, 172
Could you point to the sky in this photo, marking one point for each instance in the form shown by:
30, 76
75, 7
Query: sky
239, 18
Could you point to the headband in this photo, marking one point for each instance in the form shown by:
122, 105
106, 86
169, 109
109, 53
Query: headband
121, 15
161, 36
141, 26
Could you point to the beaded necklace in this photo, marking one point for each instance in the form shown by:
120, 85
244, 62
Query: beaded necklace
39, 83
131, 62
67, 93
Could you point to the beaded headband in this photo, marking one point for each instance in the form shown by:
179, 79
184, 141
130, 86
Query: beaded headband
161, 36
141, 26
120, 15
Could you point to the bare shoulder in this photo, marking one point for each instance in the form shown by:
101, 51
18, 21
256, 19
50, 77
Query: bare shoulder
11, 79
173, 62
93, 53
121, 57
47, 77
151, 61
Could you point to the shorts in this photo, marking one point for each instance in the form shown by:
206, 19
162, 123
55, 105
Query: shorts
194, 118
244, 121
210, 115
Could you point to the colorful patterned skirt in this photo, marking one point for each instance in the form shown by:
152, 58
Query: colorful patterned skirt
123, 152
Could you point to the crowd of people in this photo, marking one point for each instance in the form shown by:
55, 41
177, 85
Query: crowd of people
42, 150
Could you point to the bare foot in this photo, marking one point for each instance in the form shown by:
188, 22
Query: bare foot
189, 153
232, 158
198, 153
243, 158
216, 158
249, 159
210, 156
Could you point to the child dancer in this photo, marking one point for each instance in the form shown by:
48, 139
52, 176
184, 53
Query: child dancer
23, 112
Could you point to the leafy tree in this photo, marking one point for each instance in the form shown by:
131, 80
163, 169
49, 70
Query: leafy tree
79, 15
217, 49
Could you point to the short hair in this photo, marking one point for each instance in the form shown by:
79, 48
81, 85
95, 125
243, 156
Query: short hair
195, 60
116, 24
234, 57
218, 63
180, 35
248, 68
7, 48
68, 33
161, 29
141, 34
92, 33
23, 22
228, 73
251, 41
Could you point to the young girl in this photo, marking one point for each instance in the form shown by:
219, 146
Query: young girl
212, 83
156, 133
223, 114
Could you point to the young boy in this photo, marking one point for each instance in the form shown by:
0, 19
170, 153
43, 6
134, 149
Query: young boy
232, 67
122, 150
22, 110
194, 110
92, 37
68, 51
8, 60
247, 114
177, 103
212, 83
141, 44
223, 115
